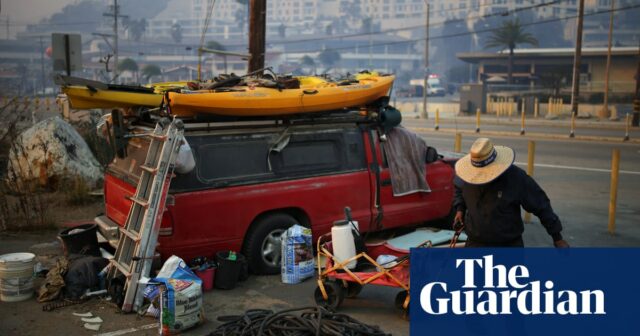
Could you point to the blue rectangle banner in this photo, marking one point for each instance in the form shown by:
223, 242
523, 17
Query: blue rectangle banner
525, 291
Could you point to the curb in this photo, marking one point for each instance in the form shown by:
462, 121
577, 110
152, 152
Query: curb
528, 135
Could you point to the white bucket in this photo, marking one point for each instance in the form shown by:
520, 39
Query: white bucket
343, 244
16, 276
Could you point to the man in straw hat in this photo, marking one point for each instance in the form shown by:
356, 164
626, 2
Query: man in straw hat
491, 190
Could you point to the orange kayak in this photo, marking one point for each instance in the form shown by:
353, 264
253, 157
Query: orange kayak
312, 96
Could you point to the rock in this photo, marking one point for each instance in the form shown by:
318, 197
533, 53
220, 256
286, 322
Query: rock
50, 152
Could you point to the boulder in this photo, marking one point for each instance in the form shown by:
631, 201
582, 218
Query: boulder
49, 152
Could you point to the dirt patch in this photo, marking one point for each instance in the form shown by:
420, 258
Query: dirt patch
46, 210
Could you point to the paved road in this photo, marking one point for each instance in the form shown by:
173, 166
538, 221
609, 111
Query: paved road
576, 176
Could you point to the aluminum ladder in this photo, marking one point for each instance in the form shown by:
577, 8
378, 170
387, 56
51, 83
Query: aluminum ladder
138, 238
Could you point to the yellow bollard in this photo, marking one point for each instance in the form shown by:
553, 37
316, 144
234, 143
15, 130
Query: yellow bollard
615, 166
437, 126
626, 127
510, 106
573, 125
47, 104
531, 158
536, 107
478, 120
457, 145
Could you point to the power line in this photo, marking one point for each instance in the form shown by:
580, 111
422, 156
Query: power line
481, 31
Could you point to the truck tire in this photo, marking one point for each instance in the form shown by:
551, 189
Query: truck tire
262, 244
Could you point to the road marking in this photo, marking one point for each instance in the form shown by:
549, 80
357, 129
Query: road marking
130, 330
579, 168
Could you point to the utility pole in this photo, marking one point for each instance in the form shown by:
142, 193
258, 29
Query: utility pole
425, 113
257, 30
42, 63
636, 103
370, 46
604, 112
115, 14
575, 92
115, 38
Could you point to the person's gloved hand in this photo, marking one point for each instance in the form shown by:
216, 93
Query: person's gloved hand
561, 243
457, 220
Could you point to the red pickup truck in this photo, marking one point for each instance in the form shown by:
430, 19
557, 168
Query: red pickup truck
252, 182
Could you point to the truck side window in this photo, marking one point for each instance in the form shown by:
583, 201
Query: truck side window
232, 160
301, 156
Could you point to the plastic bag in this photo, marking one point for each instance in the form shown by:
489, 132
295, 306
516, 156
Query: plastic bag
185, 161
297, 255
176, 294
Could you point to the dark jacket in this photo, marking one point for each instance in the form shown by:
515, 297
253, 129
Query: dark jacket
494, 216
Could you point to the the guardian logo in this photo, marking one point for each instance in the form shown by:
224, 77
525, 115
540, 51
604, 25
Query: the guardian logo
506, 291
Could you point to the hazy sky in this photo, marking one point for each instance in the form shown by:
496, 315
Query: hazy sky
29, 11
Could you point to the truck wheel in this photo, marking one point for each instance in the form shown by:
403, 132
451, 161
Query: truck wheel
263, 247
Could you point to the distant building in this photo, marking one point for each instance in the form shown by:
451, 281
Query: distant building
532, 66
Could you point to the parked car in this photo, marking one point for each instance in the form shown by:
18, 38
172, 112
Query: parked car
252, 182
435, 90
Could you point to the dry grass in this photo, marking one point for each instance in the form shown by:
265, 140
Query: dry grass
53, 211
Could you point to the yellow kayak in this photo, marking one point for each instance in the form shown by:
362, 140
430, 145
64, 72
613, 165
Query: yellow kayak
314, 95
81, 97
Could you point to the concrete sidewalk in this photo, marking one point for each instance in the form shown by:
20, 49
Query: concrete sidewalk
515, 120
531, 135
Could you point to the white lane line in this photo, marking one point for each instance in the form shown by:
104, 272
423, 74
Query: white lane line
130, 330
579, 168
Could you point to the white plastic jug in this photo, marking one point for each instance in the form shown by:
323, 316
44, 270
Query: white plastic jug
342, 241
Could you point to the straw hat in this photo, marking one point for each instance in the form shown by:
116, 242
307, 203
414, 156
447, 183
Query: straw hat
485, 162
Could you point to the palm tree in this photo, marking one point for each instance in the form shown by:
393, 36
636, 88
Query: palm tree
307, 61
176, 32
137, 28
509, 35
128, 64
215, 45
282, 30
328, 58
151, 70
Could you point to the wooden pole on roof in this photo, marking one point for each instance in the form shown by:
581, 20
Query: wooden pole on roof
257, 33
